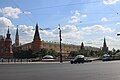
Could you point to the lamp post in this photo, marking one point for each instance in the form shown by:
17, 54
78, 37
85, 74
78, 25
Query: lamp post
60, 44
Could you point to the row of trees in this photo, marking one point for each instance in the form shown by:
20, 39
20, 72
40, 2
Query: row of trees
90, 53
23, 54
87, 53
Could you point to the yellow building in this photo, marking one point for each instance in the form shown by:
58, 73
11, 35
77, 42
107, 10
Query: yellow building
37, 45
66, 48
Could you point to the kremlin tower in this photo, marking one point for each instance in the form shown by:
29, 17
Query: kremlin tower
36, 44
105, 48
82, 46
6, 46
17, 38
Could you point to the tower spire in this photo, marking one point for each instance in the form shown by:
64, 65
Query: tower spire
8, 34
36, 44
82, 46
104, 44
17, 37
36, 36
104, 48
17, 31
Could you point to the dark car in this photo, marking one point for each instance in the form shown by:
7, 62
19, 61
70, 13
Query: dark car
78, 59
106, 57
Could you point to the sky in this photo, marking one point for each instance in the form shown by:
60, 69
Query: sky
87, 21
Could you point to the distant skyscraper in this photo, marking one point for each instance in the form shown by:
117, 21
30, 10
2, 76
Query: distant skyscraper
105, 48
36, 44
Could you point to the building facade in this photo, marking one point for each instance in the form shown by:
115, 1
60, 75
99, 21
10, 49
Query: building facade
6, 46
36, 45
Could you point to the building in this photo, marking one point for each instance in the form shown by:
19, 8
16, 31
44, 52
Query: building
36, 45
82, 46
6, 46
105, 48
17, 44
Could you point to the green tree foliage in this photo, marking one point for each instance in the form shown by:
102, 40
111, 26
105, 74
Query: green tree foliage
87, 53
44, 52
73, 53
23, 54
80, 52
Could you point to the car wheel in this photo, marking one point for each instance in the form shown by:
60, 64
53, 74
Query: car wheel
71, 62
82, 62
75, 62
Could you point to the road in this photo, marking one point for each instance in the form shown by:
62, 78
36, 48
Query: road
56, 71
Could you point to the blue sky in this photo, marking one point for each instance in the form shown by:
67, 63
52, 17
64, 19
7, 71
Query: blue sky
87, 21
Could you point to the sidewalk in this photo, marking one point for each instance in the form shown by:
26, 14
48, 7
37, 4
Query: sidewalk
32, 62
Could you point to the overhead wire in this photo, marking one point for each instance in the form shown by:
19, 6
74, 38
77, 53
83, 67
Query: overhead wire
113, 10
54, 7
58, 6
23, 12
61, 5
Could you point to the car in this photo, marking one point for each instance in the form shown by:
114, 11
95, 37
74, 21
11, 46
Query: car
106, 57
48, 58
78, 59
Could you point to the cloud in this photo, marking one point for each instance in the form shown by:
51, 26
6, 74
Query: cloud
104, 19
26, 33
97, 28
6, 22
10, 12
109, 2
69, 28
76, 17
69, 32
118, 23
112, 42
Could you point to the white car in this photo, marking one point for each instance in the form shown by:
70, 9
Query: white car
48, 57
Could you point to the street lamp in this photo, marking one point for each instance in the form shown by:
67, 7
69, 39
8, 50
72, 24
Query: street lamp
60, 44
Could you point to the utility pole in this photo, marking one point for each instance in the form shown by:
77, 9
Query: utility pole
60, 44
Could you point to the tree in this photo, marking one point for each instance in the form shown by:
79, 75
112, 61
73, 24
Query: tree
73, 53
44, 52
53, 53
22, 54
117, 51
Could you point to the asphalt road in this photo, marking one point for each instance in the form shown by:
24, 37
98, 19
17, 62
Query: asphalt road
65, 71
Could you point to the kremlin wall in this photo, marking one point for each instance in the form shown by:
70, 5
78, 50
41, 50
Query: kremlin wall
6, 47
